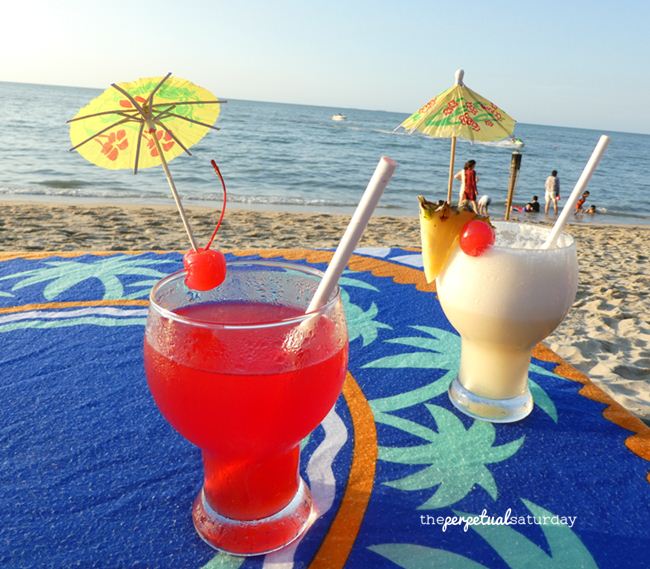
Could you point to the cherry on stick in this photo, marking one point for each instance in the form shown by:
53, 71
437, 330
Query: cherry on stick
206, 268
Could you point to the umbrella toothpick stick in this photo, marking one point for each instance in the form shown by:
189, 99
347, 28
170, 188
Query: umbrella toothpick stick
451, 169
458, 76
172, 187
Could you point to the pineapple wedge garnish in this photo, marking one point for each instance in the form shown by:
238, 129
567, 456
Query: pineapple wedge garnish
440, 228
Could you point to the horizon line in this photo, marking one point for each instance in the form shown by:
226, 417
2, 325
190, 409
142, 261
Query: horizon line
407, 113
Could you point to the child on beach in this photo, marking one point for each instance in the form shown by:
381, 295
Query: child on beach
591, 210
468, 190
581, 202
483, 204
551, 192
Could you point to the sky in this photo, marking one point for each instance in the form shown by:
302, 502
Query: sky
565, 63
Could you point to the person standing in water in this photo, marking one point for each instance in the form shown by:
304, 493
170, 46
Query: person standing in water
552, 192
468, 189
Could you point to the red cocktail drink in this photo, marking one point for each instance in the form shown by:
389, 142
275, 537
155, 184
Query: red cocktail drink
248, 424
224, 375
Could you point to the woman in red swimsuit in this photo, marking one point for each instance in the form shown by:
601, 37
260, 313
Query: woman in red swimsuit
470, 192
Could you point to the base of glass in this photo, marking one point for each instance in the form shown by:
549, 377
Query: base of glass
253, 537
492, 410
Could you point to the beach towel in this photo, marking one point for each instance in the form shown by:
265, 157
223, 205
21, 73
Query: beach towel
93, 476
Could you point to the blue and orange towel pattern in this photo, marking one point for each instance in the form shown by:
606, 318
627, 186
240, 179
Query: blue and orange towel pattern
93, 477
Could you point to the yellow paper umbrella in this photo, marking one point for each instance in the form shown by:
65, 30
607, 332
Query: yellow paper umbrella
145, 123
460, 112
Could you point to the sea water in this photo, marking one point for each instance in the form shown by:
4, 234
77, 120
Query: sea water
294, 157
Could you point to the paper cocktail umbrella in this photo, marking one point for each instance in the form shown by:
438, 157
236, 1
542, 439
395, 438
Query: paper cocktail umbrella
145, 123
459, 112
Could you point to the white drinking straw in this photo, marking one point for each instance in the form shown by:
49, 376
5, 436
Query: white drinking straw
355, 229
383, 173
580, 186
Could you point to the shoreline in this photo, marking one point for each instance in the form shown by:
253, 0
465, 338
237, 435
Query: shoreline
606, 334
205, 205
215, 205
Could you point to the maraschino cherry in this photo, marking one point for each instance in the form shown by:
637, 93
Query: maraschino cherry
205, 267
476, 237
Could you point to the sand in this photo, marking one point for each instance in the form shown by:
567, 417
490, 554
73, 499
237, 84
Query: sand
606, 334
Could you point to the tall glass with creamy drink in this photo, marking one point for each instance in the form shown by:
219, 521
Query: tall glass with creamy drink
503, 303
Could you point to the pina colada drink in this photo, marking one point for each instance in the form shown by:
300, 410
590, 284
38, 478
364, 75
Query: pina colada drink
503, 293
503, 303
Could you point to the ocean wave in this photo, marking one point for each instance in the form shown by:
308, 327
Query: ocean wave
64, 184
296, 201
65, 192
604, 216
391, 132
602, 211
257, 200
45, 172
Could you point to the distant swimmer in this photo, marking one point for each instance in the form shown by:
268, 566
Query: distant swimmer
591, 210
533, 206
